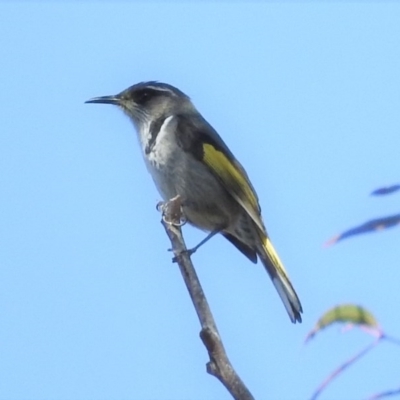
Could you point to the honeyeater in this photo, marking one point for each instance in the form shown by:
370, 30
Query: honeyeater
186, 157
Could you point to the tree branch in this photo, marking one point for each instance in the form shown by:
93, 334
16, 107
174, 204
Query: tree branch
219, 364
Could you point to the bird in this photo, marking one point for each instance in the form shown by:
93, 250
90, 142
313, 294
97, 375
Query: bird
187, 157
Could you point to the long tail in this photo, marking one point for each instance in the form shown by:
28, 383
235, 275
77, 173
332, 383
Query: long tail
280, 279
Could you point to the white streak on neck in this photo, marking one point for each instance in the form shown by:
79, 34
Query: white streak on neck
164, 143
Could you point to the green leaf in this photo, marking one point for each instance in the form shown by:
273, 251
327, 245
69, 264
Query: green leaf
374, 225
345, 313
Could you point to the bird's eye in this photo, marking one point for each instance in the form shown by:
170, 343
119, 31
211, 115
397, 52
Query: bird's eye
144, 95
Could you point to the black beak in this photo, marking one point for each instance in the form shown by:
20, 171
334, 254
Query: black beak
105, 100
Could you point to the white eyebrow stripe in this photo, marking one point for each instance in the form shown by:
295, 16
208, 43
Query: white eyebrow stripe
161, 89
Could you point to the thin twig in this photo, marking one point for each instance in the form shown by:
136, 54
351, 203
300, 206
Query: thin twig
391, 339
219, 364
345, 365
388, 393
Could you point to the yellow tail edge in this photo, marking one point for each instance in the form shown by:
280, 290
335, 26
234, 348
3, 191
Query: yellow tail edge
280, 279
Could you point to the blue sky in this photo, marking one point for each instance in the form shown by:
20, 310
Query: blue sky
307, 97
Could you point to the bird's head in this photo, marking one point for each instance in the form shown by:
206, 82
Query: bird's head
148, 101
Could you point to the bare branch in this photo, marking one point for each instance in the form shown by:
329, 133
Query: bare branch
219, 364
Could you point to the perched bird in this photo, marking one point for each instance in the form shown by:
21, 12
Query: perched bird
187, 157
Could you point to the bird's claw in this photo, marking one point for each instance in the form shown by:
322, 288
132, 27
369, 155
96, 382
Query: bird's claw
189, 252
177, 217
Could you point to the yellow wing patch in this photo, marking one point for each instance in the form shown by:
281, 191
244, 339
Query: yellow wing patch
233, 180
